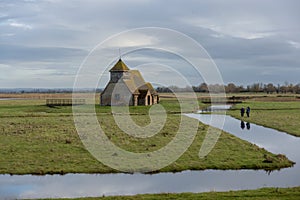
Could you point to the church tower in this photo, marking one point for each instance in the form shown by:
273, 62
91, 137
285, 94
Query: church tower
119, 70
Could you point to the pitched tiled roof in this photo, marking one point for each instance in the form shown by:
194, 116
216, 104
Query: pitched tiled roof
137, 78
119, 66
131, 86
136, 83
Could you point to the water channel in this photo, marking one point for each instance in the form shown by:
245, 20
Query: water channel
80, 185
13, 99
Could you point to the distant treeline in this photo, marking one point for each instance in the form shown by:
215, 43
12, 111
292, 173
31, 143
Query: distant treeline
203, 87
232, 88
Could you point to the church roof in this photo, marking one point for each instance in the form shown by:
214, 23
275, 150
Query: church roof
147, 86
134, 80
137, 85
119, 66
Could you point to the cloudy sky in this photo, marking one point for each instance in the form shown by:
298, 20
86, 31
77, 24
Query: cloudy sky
44, 42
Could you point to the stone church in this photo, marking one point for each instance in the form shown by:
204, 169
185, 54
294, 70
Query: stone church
127, 87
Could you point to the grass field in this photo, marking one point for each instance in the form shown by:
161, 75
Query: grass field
36, 139
283, 116
259, 194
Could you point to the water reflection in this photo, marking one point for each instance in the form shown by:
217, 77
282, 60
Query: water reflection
248, 125
215, 108
242, 124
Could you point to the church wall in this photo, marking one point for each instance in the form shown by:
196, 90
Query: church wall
116, 94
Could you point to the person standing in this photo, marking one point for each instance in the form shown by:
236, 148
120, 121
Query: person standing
248, 111
242, 111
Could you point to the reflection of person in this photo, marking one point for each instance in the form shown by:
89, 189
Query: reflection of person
248, 111
242, 124
242, 111
248, 125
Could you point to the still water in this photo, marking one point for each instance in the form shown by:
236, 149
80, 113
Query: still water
80, 185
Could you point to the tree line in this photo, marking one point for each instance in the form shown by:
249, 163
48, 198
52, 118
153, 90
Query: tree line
203, 87
269, 88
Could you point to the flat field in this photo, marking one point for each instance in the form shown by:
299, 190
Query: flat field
37, 139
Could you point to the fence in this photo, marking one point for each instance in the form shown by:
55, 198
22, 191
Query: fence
64, 102
222, 100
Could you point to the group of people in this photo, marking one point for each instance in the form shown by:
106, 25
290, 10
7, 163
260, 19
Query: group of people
247, 111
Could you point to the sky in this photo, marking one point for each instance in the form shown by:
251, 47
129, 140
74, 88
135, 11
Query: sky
43, 43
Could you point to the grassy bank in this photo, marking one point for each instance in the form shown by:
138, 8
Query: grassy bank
283, 116
36, 139
259, 194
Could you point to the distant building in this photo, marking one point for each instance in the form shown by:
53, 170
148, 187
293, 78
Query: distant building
127, 87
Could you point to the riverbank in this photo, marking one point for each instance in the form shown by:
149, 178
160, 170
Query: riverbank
259, 194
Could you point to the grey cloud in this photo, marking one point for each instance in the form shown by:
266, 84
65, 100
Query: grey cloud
17, 53
64, 32
233, 48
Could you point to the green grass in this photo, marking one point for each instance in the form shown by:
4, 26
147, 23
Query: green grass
259, 194
38, 107
283, 116
36, 139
